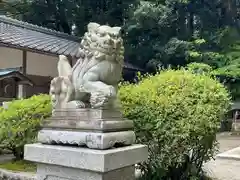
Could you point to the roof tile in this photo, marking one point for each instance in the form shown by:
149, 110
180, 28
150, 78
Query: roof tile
22, 34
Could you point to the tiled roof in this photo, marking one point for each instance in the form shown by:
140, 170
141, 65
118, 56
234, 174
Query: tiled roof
28, 36
25, 35
14, 72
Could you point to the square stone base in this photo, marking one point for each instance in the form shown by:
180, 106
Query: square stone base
75, 163
53, 172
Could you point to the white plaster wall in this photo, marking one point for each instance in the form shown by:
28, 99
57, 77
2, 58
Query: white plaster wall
37, 64
10, 58
43, 65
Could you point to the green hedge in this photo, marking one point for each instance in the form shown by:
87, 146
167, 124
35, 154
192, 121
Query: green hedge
177, 114
20, 122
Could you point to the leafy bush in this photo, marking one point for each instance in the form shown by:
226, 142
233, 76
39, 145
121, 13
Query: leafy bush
21, 121
199, 68
177, 114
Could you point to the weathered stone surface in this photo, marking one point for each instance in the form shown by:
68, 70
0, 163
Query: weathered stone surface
101, 161
87, 114
100, 126
9, 175
93, 140
44, 169
93, 80
233, 154
53, 172
100, 120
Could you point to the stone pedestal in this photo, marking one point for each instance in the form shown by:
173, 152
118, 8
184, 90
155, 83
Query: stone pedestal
74, 163
86, 144
94, 128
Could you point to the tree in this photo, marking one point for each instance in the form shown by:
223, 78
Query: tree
177, 32
157, 33
62, 15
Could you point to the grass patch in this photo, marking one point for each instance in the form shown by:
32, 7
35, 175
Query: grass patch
19, 166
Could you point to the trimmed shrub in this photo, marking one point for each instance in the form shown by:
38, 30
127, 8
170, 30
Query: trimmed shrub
177, 115
21, 121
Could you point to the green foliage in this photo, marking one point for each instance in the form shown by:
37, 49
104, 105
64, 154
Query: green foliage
145, 31
157, 33
201, 53
177, 114
20, 122
62, 15
174, 52
231, 71
19, 166
176, 32
199, 68
232, 68
229, 74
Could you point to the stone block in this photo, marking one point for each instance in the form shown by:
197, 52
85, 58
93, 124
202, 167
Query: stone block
54, 172
233, 154
94, 128
10, 175
100, 125
86, 159
87, 113
93, 140
74, 163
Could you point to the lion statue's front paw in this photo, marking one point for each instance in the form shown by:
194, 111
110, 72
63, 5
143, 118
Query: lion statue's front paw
98, 99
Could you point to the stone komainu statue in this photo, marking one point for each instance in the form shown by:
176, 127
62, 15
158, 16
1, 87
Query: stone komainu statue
92, 82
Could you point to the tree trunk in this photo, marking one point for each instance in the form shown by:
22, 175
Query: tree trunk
18, 153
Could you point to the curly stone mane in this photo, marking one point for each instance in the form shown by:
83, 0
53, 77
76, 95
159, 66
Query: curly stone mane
101, 41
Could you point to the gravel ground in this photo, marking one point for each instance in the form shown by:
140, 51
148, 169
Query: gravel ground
224, 169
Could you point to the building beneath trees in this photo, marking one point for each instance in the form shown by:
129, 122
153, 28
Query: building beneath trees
29, 56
